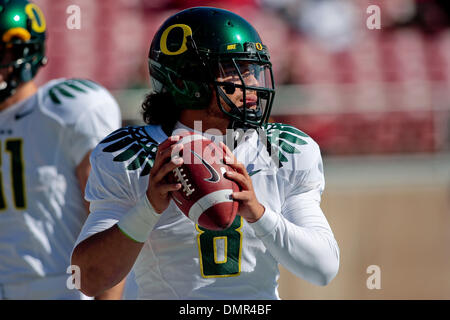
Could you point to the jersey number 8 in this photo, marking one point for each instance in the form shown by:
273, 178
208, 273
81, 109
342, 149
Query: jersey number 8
220, 251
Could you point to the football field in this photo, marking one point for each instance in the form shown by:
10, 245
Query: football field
389, 214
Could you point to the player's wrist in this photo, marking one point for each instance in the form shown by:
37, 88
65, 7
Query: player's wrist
139, 221
258, 212
266, 223
153, 205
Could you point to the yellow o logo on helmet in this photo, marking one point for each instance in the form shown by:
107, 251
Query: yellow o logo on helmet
259, 46
187, 31
37, 17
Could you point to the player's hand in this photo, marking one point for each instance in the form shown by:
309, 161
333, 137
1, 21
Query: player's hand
249, 206
159, 189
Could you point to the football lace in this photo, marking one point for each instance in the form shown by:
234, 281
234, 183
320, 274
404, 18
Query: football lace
182, 178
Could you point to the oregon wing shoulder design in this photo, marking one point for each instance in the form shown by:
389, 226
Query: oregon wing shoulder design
132, 146
119, 175
298, 155
284, 140
67, 99
70, 89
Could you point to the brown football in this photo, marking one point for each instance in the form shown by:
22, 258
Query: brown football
205, 195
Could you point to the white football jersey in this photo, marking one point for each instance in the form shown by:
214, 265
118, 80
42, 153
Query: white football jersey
42, 141
181, 260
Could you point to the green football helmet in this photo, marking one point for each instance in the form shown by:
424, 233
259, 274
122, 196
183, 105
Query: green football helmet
22, 43
201, 50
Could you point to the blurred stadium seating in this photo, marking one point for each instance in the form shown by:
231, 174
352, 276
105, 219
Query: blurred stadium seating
386, 92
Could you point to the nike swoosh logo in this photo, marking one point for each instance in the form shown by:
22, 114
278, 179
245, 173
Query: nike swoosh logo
19, 116
254, 172
214, 175
250, 170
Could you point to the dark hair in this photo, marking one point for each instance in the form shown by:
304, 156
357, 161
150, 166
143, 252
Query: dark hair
160, 109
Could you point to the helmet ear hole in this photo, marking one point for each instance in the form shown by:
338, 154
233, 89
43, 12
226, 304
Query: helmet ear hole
205, 95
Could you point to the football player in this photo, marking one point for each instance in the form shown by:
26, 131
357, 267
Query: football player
207, 65
46, 135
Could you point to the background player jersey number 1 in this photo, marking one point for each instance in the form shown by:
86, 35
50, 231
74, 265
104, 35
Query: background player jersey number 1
220, 251
14, 147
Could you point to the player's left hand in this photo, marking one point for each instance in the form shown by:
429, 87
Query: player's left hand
249, 206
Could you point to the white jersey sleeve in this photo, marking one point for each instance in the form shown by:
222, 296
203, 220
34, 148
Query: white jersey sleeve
112, 189
88, 111
300, 238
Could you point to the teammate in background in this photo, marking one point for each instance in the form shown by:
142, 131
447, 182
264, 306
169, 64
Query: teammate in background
46, 136
207, 65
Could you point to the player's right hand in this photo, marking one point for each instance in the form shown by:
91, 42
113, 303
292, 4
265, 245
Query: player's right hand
159, 189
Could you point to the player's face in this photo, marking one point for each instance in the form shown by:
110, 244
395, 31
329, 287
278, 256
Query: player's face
250, 75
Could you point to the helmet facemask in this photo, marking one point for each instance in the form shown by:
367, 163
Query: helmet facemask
23, 59
246, 86
250, 73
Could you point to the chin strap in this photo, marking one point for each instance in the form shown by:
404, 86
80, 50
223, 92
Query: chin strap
254, 115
